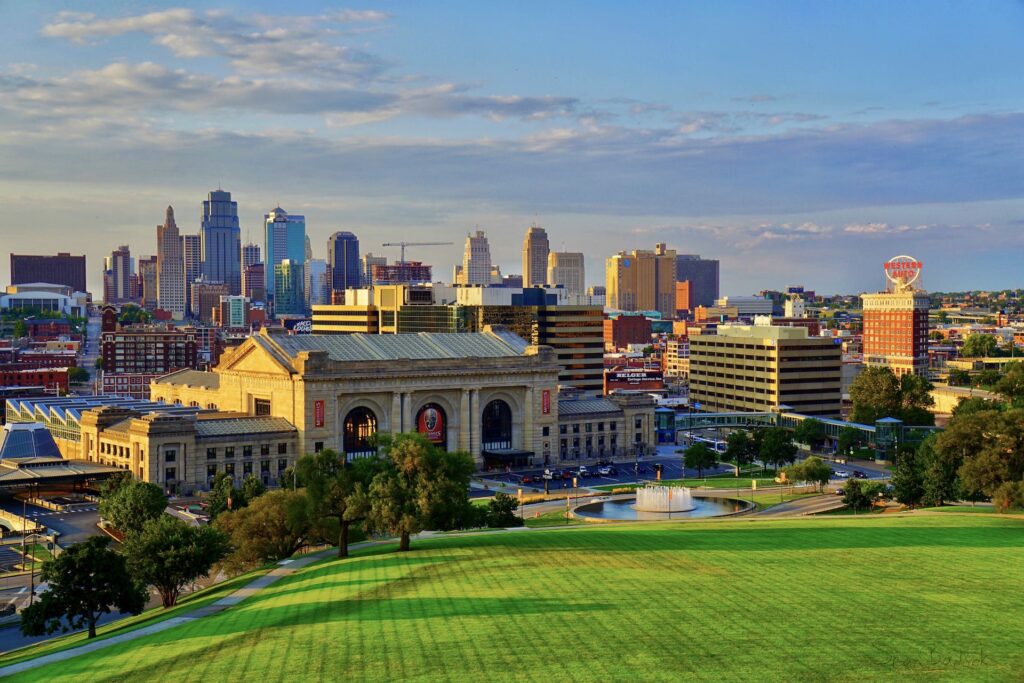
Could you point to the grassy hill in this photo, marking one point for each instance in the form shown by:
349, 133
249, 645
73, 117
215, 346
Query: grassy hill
902, 598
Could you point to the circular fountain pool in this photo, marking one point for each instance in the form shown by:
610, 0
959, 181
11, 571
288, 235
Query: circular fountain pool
625, 509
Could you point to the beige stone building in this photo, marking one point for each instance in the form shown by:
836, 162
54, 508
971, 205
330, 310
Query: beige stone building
488, 393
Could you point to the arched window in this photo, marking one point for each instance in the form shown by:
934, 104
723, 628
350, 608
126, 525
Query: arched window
432, 422
497, 425
360, 425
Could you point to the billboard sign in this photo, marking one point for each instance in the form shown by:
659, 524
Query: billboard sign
545, 402
633, 376
430, 423
318, 413
902, 271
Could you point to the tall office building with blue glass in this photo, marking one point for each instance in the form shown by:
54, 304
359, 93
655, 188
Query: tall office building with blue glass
285, 238
343, 261
221, 241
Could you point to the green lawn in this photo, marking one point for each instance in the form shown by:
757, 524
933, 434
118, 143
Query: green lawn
833, 599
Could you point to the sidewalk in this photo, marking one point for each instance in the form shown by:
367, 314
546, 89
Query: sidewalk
284, 568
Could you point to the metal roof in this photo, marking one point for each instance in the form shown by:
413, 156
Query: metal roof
419, 346
194, 378
243, 426
588, 407
22, 440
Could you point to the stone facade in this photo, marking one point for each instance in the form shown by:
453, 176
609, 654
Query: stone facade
318, 387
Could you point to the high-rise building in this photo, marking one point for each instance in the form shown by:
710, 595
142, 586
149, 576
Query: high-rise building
565, 268
309, 248
119, 264
284, 238
192, 248
896, 321
476, 261
535, 257
343, 261
233, 312
62, 269
250, 255
206, 298
147, 276
367, 263
767, 367
222, 241
402, 273
642, 281
702, 274
254, 283
288, 283
170, 268
317, 286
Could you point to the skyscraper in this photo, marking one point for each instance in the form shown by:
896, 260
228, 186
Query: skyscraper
170, 268
476, 261
343, 261
120, 266
366, 265
309, 249
62, 269
317, 286
222, 241
147, 276
192, 248
702, 275
288, 295
284, 238
535, 257
250, 255
642, 281
565, 268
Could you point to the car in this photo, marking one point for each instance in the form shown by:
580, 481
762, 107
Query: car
567, 474
841, 475
583, 471
527, 479
859, 475
607, 470
839, 492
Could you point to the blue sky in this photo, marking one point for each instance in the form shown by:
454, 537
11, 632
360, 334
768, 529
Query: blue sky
798, 142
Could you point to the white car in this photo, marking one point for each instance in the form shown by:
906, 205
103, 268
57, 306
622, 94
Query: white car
842, 475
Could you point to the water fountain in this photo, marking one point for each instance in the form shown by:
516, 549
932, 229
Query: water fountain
652, 498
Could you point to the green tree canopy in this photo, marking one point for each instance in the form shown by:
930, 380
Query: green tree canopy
849, 438
908, 478
959, 378
810, 432
812, 470
878, 393
700, 457
1011, 385
169, 554
271, 528
979, 346
78, 375
777, 447
336, 489
501, 511
854, 495
128, 504
85, 581
740, 448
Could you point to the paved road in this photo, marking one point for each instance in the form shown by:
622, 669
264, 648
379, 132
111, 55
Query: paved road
73, 527
802, 506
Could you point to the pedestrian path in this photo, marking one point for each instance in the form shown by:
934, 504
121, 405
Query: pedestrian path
284, 568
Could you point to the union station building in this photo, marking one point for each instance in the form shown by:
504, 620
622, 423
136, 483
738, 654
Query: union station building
278, 396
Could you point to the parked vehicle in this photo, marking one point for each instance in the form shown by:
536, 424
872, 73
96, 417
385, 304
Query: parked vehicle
607, 470
859, 475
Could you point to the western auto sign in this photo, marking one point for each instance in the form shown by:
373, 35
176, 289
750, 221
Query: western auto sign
430, 423
902, 270
318, 413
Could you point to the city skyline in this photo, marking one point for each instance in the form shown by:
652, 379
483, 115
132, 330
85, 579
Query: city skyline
712, 134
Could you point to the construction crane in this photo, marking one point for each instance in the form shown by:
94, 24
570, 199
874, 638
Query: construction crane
403, 245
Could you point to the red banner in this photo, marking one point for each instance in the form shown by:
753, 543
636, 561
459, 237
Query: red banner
545, 401
318, 413
430, 423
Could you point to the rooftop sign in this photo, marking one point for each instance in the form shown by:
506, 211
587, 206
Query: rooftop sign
902, 271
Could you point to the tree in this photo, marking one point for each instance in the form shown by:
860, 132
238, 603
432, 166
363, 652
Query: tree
777, 447
501, 511
78, 375
975, 404
987, 378
854, 496
1009, 495
223, 495
420, 484
98, 363
740, 448
20, 329
85, 582
336, 490
131, 314
169, 554
979, 346
959, 378
908, 479
995, 454
1011, 385
849, 438
128, 504
878, 393
810, 432
700, 457
816, 471
272, 528
252, 488
938, 471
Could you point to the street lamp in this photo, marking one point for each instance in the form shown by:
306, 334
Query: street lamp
32, 564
